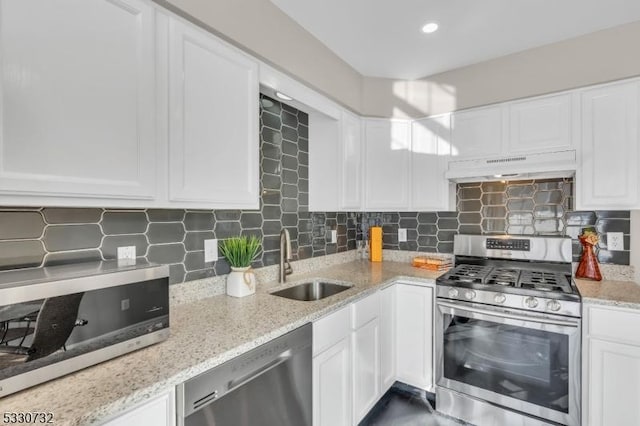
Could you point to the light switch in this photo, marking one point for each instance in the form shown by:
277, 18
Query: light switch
334, 236
402, 235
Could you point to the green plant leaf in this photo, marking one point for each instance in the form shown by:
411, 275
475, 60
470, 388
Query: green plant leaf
240, 251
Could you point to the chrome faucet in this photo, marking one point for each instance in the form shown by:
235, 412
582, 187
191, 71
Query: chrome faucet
285, 255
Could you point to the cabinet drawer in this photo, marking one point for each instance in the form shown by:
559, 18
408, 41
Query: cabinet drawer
329, 330
365, 310
614, 324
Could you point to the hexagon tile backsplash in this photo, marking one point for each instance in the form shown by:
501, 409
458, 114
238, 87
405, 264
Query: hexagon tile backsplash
47, 236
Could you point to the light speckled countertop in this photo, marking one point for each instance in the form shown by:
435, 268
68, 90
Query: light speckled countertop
607, 292
204, 334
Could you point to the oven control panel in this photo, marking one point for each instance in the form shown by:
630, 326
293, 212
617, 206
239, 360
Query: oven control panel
510, 244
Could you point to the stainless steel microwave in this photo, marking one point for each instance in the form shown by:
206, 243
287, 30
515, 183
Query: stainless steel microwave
59, 319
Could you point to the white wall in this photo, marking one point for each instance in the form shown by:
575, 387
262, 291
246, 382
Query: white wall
635, 242
606, 55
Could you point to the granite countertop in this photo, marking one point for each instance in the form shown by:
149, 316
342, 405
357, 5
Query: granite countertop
204, 334
624, 294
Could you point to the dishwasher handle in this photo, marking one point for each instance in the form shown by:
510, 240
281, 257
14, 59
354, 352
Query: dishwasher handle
283, 357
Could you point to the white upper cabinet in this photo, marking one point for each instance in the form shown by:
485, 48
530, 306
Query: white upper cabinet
540, 124
609, 172
430, 153
350, 160
387, 162
213, 122
77, 102
477, 132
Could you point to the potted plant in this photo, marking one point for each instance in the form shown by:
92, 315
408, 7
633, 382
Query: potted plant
240, 252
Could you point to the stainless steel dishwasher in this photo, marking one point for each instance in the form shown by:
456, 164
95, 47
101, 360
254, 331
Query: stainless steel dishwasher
269, 385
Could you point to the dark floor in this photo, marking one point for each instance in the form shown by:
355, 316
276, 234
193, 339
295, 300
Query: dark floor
403, 405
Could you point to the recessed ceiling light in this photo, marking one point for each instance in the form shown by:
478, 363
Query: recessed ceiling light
429, 28
283, 96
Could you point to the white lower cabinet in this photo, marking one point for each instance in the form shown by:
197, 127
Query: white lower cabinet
414, 335
365, 346
362, 349
159, 411
387, 338
332, 381
611, 367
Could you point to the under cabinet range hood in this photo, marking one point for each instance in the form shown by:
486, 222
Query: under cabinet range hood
546, 165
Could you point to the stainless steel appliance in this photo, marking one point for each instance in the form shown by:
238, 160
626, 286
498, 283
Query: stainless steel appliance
60, 319
508, 332
269, 385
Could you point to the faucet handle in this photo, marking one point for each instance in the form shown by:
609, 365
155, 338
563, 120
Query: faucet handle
288, 270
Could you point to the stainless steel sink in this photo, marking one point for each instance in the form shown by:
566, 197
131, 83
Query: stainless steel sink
312, 290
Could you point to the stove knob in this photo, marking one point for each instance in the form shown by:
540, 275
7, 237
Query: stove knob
499, 298
531, 302
553, 305
453, 293
470, 294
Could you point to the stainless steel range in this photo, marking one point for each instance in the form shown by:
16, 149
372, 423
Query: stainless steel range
508, 332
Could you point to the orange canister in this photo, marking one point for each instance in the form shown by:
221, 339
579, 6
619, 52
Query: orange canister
375, 244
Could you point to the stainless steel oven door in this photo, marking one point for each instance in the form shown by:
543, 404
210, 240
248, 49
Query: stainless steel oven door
523, 361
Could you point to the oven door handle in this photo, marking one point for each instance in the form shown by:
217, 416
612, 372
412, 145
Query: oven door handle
513, 316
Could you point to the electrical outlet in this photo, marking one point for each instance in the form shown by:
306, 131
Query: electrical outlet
402, 235
125, 304
127, 253
334, 236
211, 250
615, 241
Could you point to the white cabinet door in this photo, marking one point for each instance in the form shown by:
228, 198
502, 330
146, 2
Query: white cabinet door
332, 385
213, 122
477, 132
430, 152
324, 163
414, 335
350, 159
387, 338
608, 174
159, 411
77, 101
540, 125
366, 368
387, 162
614, 384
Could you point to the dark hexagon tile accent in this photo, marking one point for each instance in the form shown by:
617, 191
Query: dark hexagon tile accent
466, 193
271, 258
251, 220
408, 223
303, 172
548, 226
271, 197
469, 205
289, 162
494, 198
617, 257
166, 253
270, 120
72, 237
303, 131
289, 205
55, 215
271, 182
194, 240
581, 218
115, 222
170, 232
66, 257
470, 218
470, 229
427, 241
289, 148
21, 254
613, 225
165, 215
289, 219
289, 191
290, 177
521, 230
303, 142
447, 223
20, 225
548, 197
194, 261
496, 186
222, 215
445, 247
289, 119
303, 118
227, 229
494, 225
548, 211
199, 221
271, 151
625, 214
110, 245
271, 227
271, 212
520, 191
200, 275
494, 211
427, 218
221, 266
176, 273
427, 229
520, 218
271, 136
270, 166
523, 204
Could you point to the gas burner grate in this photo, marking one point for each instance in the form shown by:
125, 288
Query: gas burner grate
545, 281
506, 277
469, 273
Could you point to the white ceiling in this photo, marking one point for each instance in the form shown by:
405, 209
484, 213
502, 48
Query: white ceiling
382, 38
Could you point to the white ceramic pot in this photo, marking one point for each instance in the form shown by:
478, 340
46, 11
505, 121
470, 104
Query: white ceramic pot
241, 282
